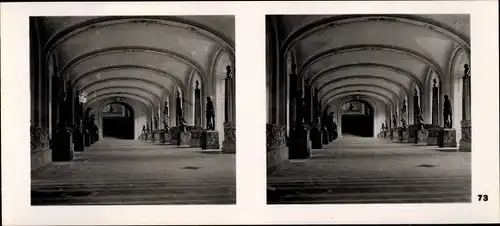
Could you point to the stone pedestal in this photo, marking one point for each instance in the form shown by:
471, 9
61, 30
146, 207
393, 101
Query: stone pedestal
196, 136
160, 136
41, 154
316, 138
300, 146
62, 147
277, 152
447, 138
78, 141
87, 140
209, 140
412, 134
167, 136
184, 138
466, 141
399, 134
406, 136
174, 135
422, 135
149, 137
325, 136
229, 144
432, 135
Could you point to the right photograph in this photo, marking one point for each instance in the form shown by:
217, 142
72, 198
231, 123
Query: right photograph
368, 108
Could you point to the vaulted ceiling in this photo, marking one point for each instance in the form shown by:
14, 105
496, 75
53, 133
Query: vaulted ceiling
377, 55
144, 58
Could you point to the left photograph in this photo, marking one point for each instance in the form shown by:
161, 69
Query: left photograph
132, 110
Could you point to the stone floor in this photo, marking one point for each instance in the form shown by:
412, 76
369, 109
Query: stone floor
135, 172
370, 170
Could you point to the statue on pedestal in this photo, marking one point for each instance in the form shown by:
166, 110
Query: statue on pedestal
143, 128
155, 120
147, 127
210, 114
394, 121
447, 113
182, 124
403, 123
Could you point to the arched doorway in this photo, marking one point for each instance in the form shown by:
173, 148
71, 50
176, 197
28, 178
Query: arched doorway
357, 118
118, 121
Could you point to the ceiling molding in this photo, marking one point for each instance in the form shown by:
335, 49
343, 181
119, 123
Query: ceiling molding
120, 94
331, 22
89, 96
360, 86
57, 38
370, 47
125, 67
142, 80
124, 49
361, 65
362, 92
325, 85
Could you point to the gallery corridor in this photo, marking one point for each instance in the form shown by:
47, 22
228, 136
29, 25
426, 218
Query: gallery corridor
370, 170
132, 110
129, 172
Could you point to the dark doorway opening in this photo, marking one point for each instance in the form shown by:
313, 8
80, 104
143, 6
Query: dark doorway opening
118, 121
358, 121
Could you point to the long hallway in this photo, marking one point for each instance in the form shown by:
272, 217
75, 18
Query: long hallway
135, 172
371, 170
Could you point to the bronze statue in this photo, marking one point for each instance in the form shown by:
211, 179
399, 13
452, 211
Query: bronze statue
394, 121
447, 113
466, 70
210, 114
403, 123
147, 127
403, 110
143, 128
155, 120
165, 124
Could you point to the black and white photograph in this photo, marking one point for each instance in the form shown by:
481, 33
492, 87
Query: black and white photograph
132, 110
368, 108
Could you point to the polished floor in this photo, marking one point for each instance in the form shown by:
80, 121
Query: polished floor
113, 172
370, 170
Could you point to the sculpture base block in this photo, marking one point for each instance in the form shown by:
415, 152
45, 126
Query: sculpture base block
465, 142
399, 134
325, 137
422, 136
432, 138
300, 146
229, 144
196, 136
277, 151
149, 137
62, 147
465, 145
209, 140
447, 138
406, 136
184, 138
316, 142
40, 158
